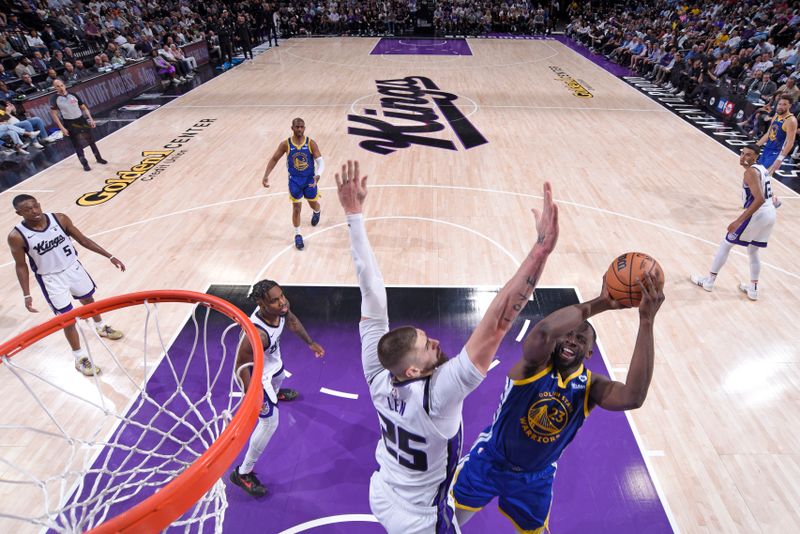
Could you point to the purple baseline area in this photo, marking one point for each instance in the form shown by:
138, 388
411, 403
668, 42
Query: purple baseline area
422, 47
320, 460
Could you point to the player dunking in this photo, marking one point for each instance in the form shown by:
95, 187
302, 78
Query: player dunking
416, 389
548, 395
305, 164
46, 238
779, 139
269, 318
751, 229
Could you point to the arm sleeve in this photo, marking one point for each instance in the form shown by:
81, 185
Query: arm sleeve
373, 296
450, 385
319, 166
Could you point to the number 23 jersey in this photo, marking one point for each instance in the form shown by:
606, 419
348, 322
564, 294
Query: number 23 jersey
420, 422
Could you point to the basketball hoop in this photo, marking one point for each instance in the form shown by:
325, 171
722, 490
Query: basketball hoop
162, 456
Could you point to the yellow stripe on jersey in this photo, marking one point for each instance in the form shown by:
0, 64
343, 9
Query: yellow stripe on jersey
586, 408
563, 384
533, 378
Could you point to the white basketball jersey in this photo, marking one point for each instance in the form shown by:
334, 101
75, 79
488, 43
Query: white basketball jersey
272, 354
766, 190
51, 250
421, 429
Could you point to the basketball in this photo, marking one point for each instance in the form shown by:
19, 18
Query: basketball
625, 270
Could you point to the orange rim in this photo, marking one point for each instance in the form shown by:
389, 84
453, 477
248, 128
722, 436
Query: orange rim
170, 502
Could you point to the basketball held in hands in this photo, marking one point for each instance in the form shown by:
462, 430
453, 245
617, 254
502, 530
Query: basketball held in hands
623, 273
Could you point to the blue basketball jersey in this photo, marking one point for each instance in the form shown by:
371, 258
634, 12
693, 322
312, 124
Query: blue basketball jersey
299, 160
538, 417
775, 140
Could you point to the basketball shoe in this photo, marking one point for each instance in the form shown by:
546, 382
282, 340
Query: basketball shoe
750, 290
298, 242
248, 482
703, 281
109, 333
85, 367
315, 218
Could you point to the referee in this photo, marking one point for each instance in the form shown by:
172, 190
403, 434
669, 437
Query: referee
75, 122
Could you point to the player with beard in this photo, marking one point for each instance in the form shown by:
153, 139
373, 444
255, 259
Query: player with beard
269, 319
548, 395
417, 391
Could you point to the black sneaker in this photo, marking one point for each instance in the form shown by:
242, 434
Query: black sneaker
101, 161
298, 242
86, 165
248, 482
286, 394
315, 218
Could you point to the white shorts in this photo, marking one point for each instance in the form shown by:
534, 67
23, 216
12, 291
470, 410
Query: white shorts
398, 516
61, 288
756, 230
271, 388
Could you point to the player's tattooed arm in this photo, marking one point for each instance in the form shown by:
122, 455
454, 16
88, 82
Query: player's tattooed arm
511, 300
294, 324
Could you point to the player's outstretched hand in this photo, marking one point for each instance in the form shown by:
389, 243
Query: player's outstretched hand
265, 181
547, 221
317, 349
652, 297
118, 264
351, 187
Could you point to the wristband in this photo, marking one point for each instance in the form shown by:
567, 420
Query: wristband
26, 296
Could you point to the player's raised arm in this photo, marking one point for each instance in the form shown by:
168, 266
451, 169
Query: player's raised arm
613, 395
279, 152
504, 309
352, 191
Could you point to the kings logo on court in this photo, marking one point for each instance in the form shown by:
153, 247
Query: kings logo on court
412, 111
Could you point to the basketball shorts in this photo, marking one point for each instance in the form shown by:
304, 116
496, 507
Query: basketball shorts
768, 157
755, 230
60, 288
523, 497
271, 386
299, 189
398, 516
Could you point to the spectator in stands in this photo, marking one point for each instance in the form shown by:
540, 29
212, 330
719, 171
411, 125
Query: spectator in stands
765, 87
29, 124
38, 63
27, 87
24, 67
69, 55
35, 42
118, 60
57, 61
243, 37
182, 68
49, 38
5, 92
48, 82
764, 63
6, 50
165, 69
81, 70
70, 75
790, 88
5, 75
14, 133
190, 62
101, 63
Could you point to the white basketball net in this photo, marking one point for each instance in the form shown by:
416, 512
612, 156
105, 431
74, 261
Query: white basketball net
79, 451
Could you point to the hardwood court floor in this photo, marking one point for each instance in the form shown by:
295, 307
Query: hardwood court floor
719, 424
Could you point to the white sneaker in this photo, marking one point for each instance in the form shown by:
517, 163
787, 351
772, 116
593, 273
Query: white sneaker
703, 281
752, 294
37, 144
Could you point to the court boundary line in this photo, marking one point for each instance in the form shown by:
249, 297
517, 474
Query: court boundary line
637, 436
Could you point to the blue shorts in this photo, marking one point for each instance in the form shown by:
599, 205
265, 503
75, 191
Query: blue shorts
768, 157
523, 497
299, 189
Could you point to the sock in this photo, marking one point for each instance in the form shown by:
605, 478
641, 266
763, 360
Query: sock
755, 262
296, 230
720, 258
258, 440
78, 354
99, 325
317, 211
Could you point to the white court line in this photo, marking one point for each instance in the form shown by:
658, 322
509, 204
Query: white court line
494, 364
336, 393
287, 373
524, 329
330, 520
659, 491
453, 187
